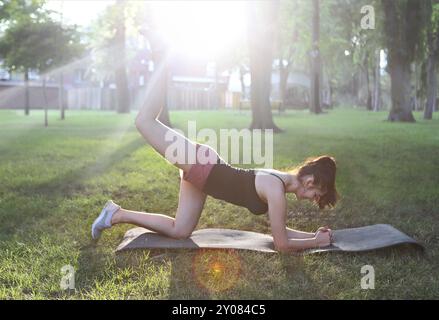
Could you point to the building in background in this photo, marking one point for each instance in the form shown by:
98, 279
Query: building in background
192, 84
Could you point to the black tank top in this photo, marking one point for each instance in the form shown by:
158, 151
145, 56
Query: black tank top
235, 185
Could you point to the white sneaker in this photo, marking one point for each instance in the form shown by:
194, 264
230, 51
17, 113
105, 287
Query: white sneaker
103, 221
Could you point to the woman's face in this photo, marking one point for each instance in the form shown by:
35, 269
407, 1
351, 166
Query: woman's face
312, 194
308, 191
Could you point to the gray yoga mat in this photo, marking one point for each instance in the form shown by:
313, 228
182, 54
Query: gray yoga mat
348, 240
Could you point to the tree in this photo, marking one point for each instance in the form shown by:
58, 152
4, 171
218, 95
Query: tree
123, 95
110, 50
33, 41
351, 42
404, 22
13, 13
261, 33
432, 58
62, 44
38, 45
286, 45
15, 48
316, 64
338, 34
376, 97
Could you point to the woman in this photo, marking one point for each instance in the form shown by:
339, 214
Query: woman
259, 190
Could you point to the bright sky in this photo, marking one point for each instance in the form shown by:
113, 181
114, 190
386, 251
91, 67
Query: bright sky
201, 28
80, 12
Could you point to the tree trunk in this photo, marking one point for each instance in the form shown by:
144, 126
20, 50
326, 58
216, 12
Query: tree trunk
26, 92
262, 18
61, 96
431, 72
403, 27
366, 70
431, 88
415, 102
123, 97
316, 66
330, 94
46, 121
400, 92
377, 83
283, 81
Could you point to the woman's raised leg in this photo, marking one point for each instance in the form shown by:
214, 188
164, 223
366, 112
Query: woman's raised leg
157, 134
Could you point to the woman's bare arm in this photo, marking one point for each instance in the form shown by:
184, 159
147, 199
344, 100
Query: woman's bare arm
297, 234
277, 208
302, 244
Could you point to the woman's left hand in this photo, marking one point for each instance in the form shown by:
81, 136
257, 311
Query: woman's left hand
325, 229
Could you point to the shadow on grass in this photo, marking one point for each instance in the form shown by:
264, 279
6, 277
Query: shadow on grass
73, 181
91, 267
231, 274
238, 274
235, 274
52, 193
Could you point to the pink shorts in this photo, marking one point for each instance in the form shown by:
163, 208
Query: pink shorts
206, 158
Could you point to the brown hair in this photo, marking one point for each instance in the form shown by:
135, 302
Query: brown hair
323, 169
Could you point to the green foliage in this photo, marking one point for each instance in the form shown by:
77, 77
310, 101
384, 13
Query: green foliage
32, 40
40, 45
429, 45
340, 31
12, 11
430, 28
103, 40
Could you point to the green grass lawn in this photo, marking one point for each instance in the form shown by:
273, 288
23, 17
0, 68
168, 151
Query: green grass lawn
54, 181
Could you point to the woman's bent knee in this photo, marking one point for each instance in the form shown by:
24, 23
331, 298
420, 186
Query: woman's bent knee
181, 234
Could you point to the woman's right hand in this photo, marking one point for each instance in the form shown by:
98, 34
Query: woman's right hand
323, 238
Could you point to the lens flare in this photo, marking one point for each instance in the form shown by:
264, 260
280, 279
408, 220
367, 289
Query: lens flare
216, 270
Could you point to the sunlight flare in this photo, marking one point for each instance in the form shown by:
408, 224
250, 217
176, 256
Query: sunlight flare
200, 29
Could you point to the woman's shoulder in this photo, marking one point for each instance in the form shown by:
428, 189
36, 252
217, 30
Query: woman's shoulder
265, 186
267, 171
